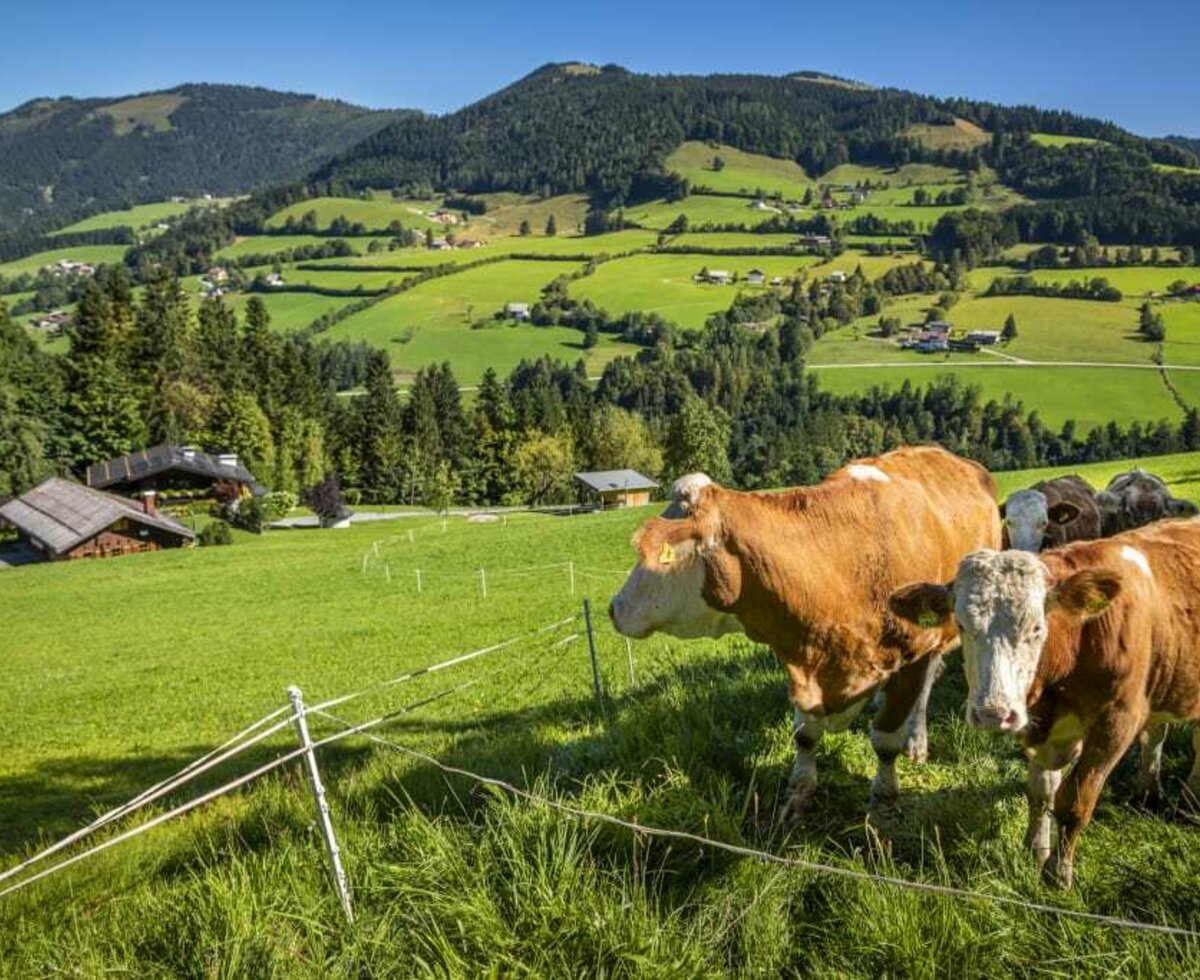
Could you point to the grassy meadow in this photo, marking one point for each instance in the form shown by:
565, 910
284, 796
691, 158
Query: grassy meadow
743, 173
94, 254
136, 217
454, 880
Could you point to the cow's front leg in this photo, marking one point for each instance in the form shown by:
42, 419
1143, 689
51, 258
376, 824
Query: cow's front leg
1043, 784
1192, 786
1150, 742
889, 727
916, 745
1106, 741
802, 783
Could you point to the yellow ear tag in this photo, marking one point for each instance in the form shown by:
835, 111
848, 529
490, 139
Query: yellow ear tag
928, 619
667, 555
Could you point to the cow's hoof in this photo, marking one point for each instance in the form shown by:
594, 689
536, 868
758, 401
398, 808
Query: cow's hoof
799, 800
1057, 874
917, 747
883, 800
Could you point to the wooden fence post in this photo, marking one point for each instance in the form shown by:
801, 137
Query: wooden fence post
318, 790
597, 683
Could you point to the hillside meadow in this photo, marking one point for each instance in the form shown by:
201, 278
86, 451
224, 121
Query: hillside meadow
450, 878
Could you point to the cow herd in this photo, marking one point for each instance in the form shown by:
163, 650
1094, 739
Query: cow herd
1077, 613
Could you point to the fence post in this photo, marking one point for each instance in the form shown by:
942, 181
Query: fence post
410, 537
571, 571
597, 684
318, 790
483, 582
387, 568
418, 581
629, 657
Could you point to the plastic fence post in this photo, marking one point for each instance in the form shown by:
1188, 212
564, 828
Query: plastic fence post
571, 572
629, 657
318, 790
597, 683
418, 581
483, 582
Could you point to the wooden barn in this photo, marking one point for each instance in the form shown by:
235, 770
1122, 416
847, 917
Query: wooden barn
615, 488
62, 520
175, 471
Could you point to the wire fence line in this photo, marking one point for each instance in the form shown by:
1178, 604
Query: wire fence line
945, 891
245, 739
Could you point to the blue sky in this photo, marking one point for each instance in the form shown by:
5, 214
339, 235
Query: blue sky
1132, 63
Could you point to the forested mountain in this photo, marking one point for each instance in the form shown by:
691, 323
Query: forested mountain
65, 157
606, 131
1189, 143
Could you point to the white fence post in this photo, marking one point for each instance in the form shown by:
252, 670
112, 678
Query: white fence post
418, 581
410, 537
483, 582
387, 569
318, 789
571, 571
629, 657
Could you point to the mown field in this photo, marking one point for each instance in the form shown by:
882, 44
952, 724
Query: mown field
94, 254
453, 880
136, 217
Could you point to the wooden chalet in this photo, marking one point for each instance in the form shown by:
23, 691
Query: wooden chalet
175, 471
63, 520
615, 488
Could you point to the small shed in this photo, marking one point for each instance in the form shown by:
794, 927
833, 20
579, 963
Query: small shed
615, 488
63, 520
179, 470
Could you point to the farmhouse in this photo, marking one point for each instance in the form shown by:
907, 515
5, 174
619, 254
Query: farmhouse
987, 337
518, 311
755, 277
274, 279
718, 276
615, 488
54, 321
940, 327
217, 274
62, 520
69, 267
837, 275
179, 471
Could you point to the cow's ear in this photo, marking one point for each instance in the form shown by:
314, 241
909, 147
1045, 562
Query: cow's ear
1063, 513
1108, 502
1181, 508
926, 604
663, 543
688, 491
1086, 594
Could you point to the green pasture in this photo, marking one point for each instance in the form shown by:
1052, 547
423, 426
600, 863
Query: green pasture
449, 878
1135, 282
909, 175
743, 173
1092, 396
269, 244
94, 254
376, 212
702, 209
1180, 471
506, 211
138, 216
733, 240
1182, 320
1058, 141
452, 318
663, 283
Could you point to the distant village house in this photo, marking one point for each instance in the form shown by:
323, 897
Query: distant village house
175, 471
615, 488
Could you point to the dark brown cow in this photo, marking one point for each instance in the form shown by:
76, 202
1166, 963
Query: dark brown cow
1051, 513
1076, 651
1138, 498
809, 572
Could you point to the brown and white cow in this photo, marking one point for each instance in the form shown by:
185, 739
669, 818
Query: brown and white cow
1075, 652
1051, 513
808, 572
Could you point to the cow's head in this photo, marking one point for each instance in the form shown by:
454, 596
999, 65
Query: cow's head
684, 579
1138, 498
1001, 600
1027, 515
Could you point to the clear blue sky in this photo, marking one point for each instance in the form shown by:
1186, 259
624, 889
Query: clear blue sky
1132, 63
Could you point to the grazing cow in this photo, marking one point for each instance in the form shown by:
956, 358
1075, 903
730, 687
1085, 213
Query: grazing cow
1051, 513
1138, 498
1075, 652
809, 572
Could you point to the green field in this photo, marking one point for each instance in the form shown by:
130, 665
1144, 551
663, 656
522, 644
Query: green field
743, 173
1092, 396
1057, 141
270, 244
1135, 282
1180, 471
375, 212
448, 876
94, 254
139, 216
663, 284
433, 322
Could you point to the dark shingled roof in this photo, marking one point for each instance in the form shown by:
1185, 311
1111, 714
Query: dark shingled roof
63, 514
609, 480
165, 459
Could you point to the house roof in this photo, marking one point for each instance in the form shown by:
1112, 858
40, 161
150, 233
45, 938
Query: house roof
616, 480
163, 459
63, 514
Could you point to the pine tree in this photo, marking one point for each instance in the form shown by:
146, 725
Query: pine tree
551, 226
1010, 329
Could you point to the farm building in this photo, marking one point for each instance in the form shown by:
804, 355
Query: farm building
615, 488
518, 311
984, 336
175, 471
837, 275
62, 520
718, 276
755, 277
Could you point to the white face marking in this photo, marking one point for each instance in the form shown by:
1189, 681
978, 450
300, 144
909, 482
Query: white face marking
1000, 604
1130, 553
862, 471
669, 601
1026, 517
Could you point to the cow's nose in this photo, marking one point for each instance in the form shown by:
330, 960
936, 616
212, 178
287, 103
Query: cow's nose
992, 716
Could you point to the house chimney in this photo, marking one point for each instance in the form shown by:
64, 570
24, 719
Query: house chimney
228, 459
150, 502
